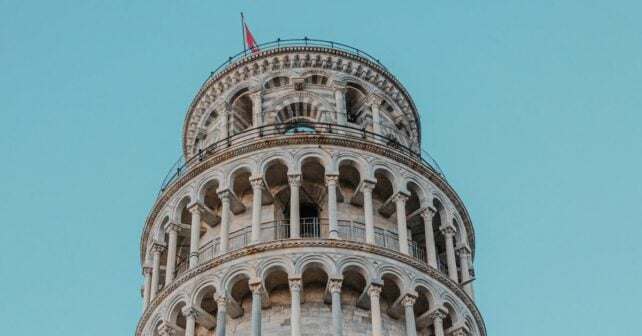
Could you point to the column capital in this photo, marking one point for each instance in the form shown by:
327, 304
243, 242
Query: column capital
339, 86
438, 313
158, 247
334, 285
374, 100
195, 207
400, 197
374, 290
295, 284
256, 90
256, 287
224, 195
190, 312
460, 331
447, 230
368, 185
172, 227
408, 300
428, 214
331, 180
294, 180
166, 330
257, 182
463, 251
221, 300
147, 270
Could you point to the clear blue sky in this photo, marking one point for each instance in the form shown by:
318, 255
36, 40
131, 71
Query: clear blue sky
533, 109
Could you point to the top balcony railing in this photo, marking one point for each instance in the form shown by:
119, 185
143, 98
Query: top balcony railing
295, 129
279, 43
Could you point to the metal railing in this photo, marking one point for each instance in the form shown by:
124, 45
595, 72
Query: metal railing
304, 42
312, 227
290, 129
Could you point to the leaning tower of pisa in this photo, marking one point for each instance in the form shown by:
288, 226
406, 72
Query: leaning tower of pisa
304, 205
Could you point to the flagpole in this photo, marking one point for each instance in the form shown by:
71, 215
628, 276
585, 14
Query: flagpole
243, 32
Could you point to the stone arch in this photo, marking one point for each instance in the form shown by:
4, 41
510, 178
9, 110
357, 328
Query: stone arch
180, 207
306, 154
321, 261
316, 102
284, 158
426, 289
205, 285
400, 279
267, 266
173, 312
154, 324
232, 92
454, 314
240, 273
266, 77
242, 166
211, 178
358, 161
357, 264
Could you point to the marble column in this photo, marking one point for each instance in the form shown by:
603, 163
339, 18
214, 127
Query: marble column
172, 231
256, 93
147, 272
400, 201
157, 249
331, 183
339, 99
225, 125
367, 188
374, 103
257, 203
257, 292
464, 256
221, 302
295, 318
295, 225
431, 251
195, 234
337, 316
374, 291
190, 320
438, 322
408, 303
226, 197
449, 234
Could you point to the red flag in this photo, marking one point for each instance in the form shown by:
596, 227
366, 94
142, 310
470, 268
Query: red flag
251, 43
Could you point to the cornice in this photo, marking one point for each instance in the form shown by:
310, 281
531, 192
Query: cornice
312, 243
236, 151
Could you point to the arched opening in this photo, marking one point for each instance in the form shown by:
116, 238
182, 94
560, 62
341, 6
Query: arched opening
355, 95
415, 222
315, 279
440, 239
241, 118
277, 180
276, 82
313, 197
316, 80
205, 300
277, 287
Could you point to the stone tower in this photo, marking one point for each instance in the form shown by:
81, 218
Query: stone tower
303, 205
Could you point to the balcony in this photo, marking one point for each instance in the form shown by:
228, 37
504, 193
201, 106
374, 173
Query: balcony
311, 228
